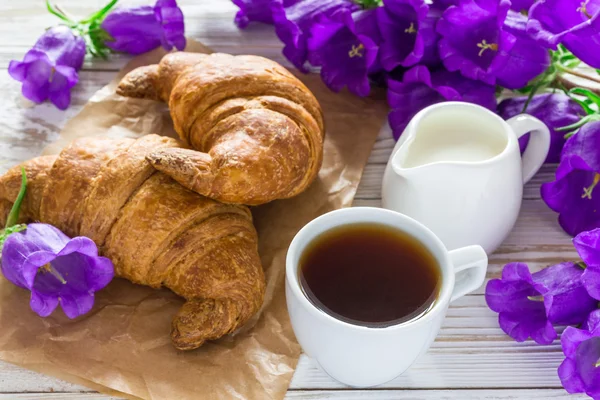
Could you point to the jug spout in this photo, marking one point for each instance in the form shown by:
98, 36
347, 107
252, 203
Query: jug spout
398, 160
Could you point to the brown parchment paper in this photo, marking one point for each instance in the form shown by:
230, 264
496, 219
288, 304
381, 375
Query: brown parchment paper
122, 347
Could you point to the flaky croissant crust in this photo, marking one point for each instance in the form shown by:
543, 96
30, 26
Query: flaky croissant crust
156, 232
257, 129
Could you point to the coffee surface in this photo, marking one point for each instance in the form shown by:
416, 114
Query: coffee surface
369, 274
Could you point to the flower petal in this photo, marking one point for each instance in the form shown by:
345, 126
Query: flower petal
43, 305
100, 273
520, 327
570, 379
591, 281
572, 338
77, 304
60, 86
587, 245
170, 17
566, 300
592, 324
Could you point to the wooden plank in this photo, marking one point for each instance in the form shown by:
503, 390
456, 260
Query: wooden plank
510, 394
15, 379
26, 128
56, 396
470, 352
536, 394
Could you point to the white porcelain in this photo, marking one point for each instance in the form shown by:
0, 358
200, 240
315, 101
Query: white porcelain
457, 169
361, 356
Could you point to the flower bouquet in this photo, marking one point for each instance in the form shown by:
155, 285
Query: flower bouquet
426, 52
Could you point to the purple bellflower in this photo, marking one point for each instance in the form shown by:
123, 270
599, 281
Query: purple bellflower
403, 33
139, 29
56, 269
574, 23
419, 88
485, 41
575, 193
345, 47
529, 304
49, 69
580, 371
293, 23
556, 110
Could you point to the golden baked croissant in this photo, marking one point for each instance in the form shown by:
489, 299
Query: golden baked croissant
258, 130
156, 232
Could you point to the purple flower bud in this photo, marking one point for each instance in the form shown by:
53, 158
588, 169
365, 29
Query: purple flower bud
136, 30
554, 109
575, 193
485, 41
580, 371
293, 23
419, 88
256, 11
574, 23
345, 47
49, 69
55, 269
529, 304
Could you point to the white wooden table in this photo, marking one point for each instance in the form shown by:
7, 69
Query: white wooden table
471, 358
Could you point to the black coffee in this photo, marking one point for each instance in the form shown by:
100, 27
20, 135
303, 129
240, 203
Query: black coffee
369, 274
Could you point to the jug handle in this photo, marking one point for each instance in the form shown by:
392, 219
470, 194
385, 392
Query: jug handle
539, 142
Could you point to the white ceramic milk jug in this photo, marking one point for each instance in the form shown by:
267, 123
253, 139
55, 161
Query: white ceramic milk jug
458, 170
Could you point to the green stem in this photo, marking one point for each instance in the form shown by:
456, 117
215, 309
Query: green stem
58, 13
13, 216
99, 14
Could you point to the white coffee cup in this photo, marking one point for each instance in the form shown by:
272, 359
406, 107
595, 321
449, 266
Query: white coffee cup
362, 356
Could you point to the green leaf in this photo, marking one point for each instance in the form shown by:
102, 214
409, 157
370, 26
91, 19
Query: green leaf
57, 13
369, 3
100, 14
13, 216
588, 110
588, 94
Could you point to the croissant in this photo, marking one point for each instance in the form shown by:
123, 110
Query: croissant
156, 232
257, 129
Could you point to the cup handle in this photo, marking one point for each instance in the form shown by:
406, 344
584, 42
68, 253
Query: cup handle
539, 142
470, 266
